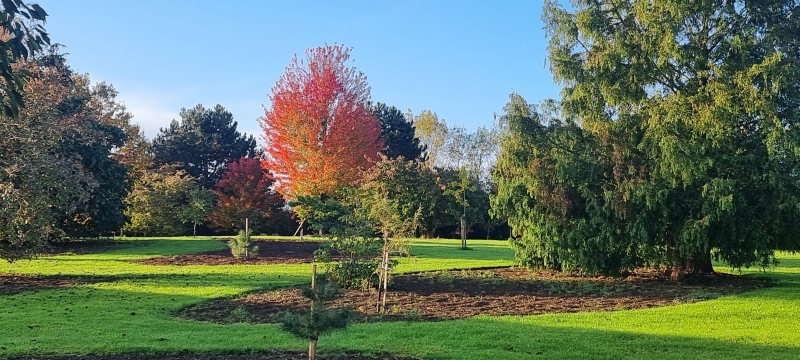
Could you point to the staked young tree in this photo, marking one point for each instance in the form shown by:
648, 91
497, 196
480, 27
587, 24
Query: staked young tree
397, 133
320, 134
203, 143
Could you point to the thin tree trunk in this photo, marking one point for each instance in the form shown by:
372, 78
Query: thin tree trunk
385, 278
463, 232
381, 275
312, 349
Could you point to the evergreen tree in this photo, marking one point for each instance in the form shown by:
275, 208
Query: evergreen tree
678, 140
397, 133
203, 143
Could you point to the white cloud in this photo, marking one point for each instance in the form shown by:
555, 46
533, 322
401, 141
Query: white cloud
150, 112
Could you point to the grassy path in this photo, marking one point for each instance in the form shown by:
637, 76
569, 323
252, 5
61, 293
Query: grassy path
132, 314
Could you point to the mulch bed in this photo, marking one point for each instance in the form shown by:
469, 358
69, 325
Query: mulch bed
14, 284
271, 355
269, 252
496, 292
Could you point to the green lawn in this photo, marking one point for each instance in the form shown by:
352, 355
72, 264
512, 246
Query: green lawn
132, 314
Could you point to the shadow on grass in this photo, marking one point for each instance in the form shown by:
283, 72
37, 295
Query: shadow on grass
512, 338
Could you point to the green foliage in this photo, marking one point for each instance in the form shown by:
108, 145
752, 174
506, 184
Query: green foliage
56, 174
20, 42
242, 246
203, 143
164, 202
397, 133
320, 319
678, 139
431, 132
351, 235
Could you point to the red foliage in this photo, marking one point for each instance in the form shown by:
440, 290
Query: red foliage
245, 191
319, 133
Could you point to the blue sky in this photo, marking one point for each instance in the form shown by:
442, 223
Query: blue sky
460, 59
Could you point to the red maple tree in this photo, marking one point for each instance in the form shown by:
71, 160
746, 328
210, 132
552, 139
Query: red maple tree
319, 133
245, 191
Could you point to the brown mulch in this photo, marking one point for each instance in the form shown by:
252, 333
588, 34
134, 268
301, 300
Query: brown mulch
14, 284
495, 292
270, 355
269, 252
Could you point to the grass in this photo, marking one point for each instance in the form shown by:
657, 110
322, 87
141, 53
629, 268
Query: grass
132, 314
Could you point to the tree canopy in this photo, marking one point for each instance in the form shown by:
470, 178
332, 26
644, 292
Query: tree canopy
22, 35
56, 174
203, 143
397, 133
320, 134
676, 142
246, 191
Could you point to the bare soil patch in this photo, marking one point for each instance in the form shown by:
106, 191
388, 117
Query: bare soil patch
496, 292
271, 355
269, 252
14, 284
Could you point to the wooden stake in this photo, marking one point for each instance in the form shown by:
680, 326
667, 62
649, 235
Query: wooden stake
385, 278
247, 236
312, 343
381, 275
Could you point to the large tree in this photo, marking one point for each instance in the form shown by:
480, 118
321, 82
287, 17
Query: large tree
54, 162
203, 143
684, 141
320, 134
397, 133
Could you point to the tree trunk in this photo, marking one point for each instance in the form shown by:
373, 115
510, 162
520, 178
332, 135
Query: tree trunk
194, 230
463, 233
312, 349
697, 265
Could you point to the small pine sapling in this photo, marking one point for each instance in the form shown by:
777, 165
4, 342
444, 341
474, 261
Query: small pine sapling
242, 246
320, 319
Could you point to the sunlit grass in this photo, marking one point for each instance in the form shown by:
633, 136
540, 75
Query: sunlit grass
133, 313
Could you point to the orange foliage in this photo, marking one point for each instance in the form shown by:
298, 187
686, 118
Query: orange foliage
319, 133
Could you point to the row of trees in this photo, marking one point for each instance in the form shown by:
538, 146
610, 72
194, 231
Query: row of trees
86, 170
674, 143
